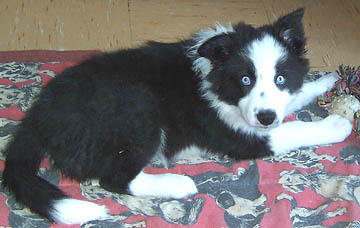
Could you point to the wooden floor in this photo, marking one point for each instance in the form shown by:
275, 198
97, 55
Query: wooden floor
332, 26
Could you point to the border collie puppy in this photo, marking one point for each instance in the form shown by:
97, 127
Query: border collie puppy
226, 90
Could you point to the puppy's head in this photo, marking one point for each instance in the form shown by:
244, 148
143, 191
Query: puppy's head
249, 75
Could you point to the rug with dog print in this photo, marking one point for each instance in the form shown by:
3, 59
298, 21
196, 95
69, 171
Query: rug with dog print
309, 187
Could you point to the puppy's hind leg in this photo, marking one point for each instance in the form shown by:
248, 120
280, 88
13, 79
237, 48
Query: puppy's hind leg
162, 185
126, 162
124, 173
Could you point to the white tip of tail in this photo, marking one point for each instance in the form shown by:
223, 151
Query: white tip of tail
72, 211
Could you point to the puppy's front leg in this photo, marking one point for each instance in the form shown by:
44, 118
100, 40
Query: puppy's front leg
295, 134
310, 90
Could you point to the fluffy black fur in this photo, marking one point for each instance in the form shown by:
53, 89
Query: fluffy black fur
103, 118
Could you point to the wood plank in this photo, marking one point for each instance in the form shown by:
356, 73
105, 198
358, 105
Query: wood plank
166, 20
64, 25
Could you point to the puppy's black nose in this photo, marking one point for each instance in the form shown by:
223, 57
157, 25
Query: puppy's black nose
266, 117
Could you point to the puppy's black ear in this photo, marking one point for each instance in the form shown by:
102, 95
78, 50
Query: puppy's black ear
216, 49
289, 29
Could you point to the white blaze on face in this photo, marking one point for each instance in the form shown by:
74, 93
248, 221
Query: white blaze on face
265, 54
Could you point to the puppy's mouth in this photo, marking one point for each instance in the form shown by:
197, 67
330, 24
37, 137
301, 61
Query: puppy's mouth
265, 127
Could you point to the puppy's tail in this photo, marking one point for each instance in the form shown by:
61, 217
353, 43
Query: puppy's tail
24, 155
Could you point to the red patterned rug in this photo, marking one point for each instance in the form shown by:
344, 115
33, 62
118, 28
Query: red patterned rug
310, 187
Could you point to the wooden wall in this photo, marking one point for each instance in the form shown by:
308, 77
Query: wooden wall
332, 26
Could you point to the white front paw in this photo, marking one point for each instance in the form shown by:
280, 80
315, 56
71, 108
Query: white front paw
327, 82
337, 128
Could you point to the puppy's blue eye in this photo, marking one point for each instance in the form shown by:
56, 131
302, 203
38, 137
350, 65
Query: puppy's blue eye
280, 79
245, 80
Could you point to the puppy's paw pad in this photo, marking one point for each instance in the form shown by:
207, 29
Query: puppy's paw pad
338, 128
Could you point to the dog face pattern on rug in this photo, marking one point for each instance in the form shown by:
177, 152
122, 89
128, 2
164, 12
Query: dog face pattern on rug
309, 187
